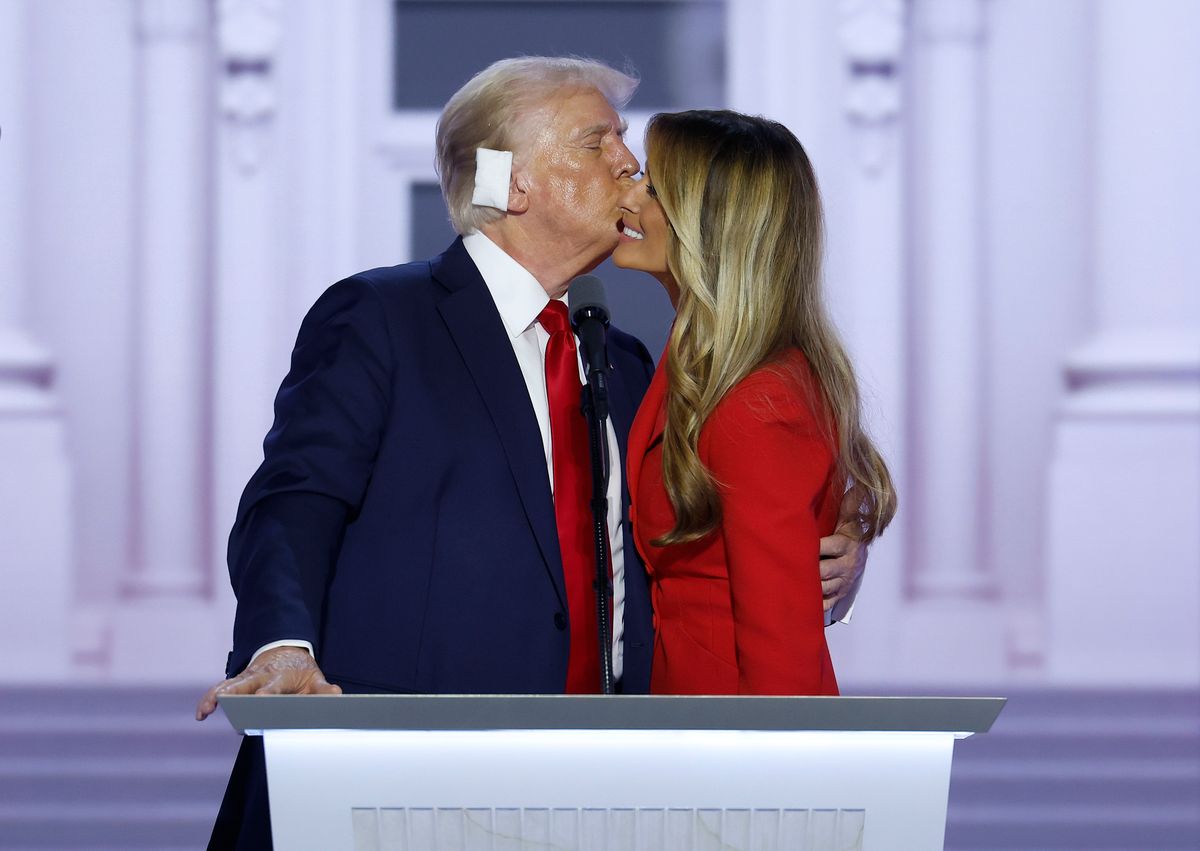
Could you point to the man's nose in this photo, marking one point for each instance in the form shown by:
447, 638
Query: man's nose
627, 163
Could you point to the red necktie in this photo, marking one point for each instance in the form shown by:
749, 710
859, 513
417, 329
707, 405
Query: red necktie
572, 493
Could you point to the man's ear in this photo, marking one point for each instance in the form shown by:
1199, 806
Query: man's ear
518, 192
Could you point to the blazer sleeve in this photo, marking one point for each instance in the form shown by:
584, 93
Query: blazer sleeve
773, 464
330, 415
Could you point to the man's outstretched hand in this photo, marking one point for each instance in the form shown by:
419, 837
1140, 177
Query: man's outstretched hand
280, 670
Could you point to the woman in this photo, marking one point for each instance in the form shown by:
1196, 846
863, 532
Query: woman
749, 434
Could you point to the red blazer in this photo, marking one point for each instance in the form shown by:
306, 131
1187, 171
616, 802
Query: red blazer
739, 611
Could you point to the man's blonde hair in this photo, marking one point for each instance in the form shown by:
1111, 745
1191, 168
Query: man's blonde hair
492, 111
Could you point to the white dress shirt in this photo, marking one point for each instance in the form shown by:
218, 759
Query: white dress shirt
519, 299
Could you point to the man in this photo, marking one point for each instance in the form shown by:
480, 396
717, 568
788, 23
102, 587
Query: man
406, 531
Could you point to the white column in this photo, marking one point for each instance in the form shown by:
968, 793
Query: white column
866, 285
35, 527
168, 593
946, 392
323, 90
253, 331
1124, 553
1038, 239
14, 147
172, 484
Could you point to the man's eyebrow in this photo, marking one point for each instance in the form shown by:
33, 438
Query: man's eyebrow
596, 130
604, 129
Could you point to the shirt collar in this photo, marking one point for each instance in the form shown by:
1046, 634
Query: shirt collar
518, 296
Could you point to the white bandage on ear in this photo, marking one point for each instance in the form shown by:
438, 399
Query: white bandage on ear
493, 171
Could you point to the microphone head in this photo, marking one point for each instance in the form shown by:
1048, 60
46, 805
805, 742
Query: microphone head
586, 299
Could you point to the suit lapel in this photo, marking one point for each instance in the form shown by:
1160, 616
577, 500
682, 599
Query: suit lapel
471, 318
622, 406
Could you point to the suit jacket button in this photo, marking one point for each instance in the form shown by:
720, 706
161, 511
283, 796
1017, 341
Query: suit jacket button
560, 620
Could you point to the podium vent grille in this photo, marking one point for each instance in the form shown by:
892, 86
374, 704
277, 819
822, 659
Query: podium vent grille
499, 829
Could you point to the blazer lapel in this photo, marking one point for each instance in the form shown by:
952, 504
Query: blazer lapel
471, 318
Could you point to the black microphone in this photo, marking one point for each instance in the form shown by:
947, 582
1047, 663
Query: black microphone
589, 318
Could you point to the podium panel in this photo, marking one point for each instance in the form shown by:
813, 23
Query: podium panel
508, 829
629, 773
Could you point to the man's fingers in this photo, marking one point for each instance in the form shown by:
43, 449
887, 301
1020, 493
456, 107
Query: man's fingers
281, 670
850, 564
277, 685
835, 545
317, 684
208, 702
833, 590
285, 682
241, 684
295, 682
843, 555
320, 685
835, 568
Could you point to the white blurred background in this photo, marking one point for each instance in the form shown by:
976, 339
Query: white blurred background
1012, 192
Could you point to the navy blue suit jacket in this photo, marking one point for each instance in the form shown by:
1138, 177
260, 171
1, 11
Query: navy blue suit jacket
402, 518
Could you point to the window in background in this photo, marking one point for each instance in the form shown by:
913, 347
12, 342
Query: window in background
431, 231
677, 47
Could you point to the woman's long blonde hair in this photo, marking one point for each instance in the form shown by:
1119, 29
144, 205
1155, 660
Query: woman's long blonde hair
745, 249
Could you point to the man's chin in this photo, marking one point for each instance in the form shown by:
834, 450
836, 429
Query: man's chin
604, 252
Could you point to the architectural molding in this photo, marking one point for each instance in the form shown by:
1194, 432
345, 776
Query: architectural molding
1127, 435
35, 486
27, 372
169, 370
249, 33
1131, 373
872, 35
948, 286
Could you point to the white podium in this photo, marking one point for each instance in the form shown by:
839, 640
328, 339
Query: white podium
386, 772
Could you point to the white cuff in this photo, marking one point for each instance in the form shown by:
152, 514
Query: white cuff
287, 642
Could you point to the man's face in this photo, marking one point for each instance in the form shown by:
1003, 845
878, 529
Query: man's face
577, 170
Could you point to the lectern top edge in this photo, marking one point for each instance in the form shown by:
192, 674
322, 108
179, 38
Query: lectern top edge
252, 714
